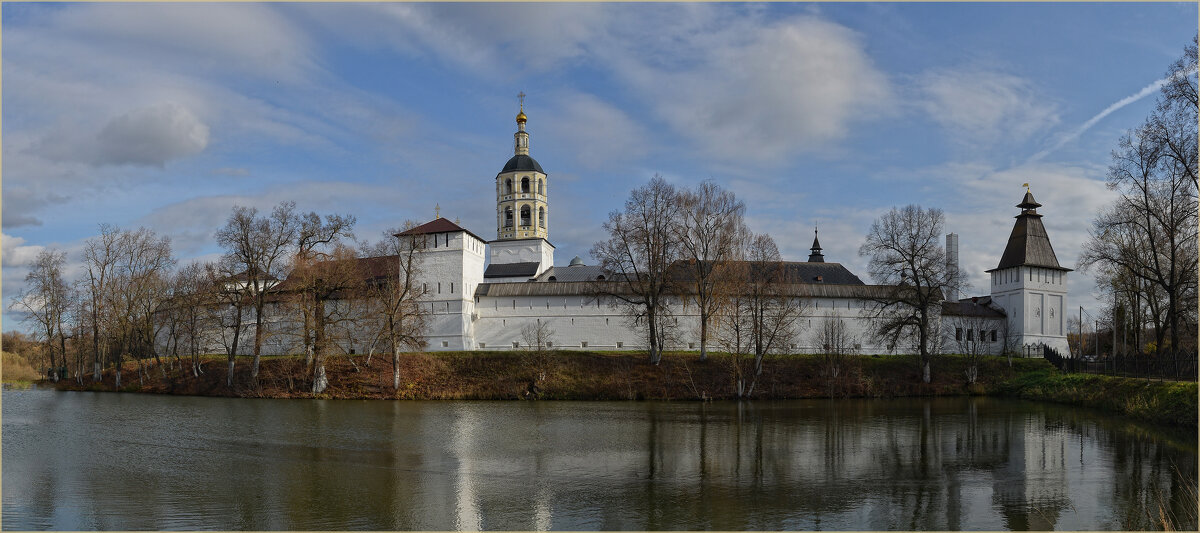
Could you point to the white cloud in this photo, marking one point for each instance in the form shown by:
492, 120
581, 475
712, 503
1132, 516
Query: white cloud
759, 94
493, 40
147, 136
16, 253
599, 134
985, 108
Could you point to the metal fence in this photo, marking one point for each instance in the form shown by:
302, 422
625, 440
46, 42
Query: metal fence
1160, 366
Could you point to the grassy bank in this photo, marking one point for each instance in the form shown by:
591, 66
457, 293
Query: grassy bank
1170, 403
680, 376
572, 376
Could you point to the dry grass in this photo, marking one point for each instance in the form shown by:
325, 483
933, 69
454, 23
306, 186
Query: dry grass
18, 368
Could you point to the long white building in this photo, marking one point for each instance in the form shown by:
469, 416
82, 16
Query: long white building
482, 294
481, 304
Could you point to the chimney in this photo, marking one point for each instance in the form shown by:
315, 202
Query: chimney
952, 262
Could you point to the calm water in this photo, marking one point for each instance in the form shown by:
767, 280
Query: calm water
123, 461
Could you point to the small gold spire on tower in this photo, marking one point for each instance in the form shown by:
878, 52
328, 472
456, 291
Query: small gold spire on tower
521, 114
437, 211
1026, 185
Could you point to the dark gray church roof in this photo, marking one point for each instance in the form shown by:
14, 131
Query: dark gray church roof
521, 162
578, 272
970, 308
794, 272
1028, 244
511, 270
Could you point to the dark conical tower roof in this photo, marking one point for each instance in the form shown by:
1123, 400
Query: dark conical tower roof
1028, 244
816, 256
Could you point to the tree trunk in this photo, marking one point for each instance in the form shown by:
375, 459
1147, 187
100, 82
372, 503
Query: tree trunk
925, 372
703, 336
258, 333
395, 366
319, 379
229, 375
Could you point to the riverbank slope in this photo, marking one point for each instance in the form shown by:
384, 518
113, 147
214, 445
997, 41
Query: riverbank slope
680, 376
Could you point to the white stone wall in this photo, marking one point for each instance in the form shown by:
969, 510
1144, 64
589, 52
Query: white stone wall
577, 320
538, 251
1035, 299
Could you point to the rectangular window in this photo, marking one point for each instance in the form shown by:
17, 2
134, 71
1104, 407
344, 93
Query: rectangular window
970, 334
482, 345
993, 335
445, 344
439, 287
583, 344
620, 344
516, 344
958, 334
451, 287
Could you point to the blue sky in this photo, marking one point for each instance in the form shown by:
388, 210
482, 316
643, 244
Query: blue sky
166, 116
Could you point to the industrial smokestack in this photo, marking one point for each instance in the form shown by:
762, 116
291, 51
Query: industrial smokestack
952, 263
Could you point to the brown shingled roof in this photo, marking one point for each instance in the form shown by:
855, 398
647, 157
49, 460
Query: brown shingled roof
438, 225
1028, 244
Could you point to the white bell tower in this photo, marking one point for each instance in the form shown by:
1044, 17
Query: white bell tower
521, 250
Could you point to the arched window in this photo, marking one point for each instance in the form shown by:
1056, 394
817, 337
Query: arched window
542, 216
525, 215
508, 217
541, 186
525, 184
508, 186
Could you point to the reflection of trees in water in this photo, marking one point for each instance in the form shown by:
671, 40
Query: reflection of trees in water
954, 463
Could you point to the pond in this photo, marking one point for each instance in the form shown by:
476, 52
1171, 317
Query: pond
75, 460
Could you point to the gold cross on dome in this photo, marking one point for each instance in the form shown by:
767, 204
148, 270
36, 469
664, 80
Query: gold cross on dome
521, 98
437, 211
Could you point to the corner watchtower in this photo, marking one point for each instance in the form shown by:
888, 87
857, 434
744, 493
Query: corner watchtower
1030, 284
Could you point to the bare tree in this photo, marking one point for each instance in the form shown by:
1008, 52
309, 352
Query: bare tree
904, 247
538, 338
45, 301
226, 311
1150, 233
971, 340
761, 317
837, 345
712, 223
325, 289
314, 240
643, 242
100, 255
193, 295
257, 248
395, 293
138, 283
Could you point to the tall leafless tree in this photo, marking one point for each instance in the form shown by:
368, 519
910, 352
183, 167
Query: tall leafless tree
643, 242
837, 344
712, 222
761, 316
905, 251
258, 247
394, 296
100, 254
45, 302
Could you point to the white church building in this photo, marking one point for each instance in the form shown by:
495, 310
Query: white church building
482, 294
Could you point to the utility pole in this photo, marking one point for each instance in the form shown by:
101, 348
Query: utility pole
1081, 332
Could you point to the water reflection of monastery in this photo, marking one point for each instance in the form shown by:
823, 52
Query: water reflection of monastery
757, 466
